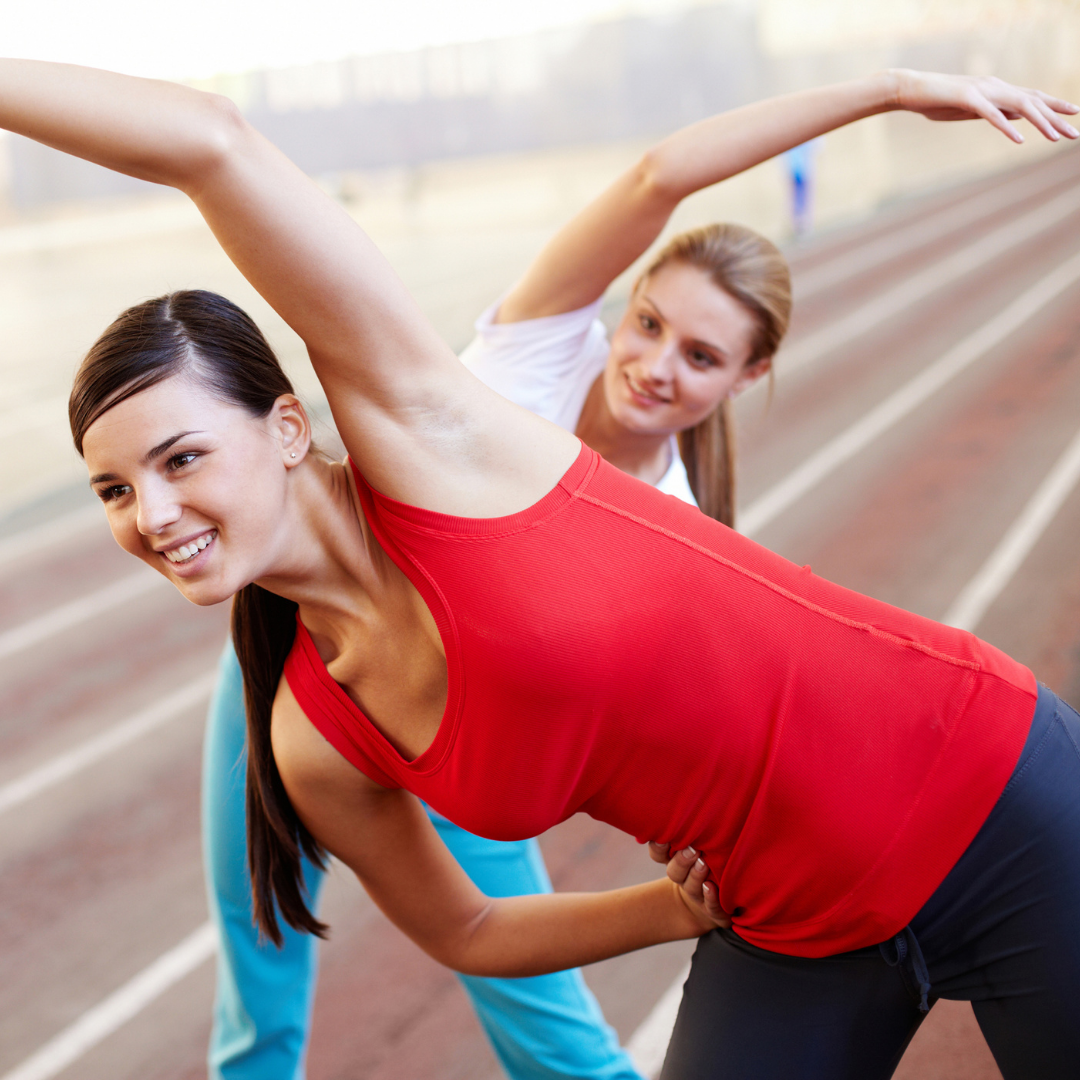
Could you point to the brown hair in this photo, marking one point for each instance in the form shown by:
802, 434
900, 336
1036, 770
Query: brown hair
204, 335
751, 269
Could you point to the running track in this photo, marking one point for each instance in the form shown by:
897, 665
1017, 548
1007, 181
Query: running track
923, 446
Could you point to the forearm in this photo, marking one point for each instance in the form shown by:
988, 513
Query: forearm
722, 146
158, 131
534, 935
607, 236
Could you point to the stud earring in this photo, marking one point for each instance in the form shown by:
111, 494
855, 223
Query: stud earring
293, 454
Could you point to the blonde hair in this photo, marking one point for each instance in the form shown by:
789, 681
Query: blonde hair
750, 269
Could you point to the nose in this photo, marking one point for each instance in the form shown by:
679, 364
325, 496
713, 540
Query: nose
157, 509
659, 366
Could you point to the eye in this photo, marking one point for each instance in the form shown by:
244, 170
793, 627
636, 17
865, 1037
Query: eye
178, 461
109, 494
648, 323
701, 359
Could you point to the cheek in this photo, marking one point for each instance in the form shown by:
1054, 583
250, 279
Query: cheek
250, 500
126, 533
701, 392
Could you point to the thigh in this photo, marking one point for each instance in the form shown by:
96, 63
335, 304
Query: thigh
1004, 929
749, 1013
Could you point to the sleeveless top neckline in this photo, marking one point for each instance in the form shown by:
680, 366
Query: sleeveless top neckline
334, 695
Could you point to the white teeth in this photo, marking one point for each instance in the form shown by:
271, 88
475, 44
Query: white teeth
186, 551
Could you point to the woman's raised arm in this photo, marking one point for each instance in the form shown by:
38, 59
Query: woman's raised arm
421, 427
597, 245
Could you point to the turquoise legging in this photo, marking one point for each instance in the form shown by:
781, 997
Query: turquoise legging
540, 1028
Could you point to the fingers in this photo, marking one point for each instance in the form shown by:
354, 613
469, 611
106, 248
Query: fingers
1059, 105
711, 903
982, 106
680, 864
659, 852
1053, 117
1013, 102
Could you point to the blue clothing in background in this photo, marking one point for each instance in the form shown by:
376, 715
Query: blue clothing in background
800, 166
543, 1028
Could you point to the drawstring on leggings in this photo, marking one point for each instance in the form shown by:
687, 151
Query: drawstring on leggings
906, 947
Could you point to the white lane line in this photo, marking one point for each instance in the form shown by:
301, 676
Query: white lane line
793, 357
923, 284
59, 768
31, 633
908, 237
899, 404
985, 587
118, 1008
55, 531
649, 1043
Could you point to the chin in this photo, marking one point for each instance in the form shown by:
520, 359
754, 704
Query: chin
642, 421
205, 593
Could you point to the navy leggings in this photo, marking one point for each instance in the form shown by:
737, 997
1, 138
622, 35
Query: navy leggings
1002, 931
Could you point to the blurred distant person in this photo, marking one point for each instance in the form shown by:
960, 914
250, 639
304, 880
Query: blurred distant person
478, 610
799, 164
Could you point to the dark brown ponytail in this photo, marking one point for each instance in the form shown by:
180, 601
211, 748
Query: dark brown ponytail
263, 626
204, 336
753, 271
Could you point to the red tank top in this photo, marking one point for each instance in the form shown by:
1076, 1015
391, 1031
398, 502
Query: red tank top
611, 650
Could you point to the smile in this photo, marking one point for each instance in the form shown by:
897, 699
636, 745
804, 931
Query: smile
191, 548
639, 391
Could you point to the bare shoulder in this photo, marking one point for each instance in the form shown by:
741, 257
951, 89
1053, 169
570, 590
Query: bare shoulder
316, 777
352, 817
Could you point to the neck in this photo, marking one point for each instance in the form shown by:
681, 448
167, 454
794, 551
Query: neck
325, 558
646, 456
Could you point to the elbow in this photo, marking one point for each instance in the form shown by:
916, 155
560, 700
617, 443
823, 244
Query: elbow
217, 138
468, 951
655, 182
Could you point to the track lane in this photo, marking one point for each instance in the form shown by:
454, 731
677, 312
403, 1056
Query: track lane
598, 861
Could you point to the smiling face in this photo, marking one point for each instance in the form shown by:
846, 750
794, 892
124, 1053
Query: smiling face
682, 346
194, 486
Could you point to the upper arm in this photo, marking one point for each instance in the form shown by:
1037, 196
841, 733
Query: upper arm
383, 835
416, 422
373, 350
595, 246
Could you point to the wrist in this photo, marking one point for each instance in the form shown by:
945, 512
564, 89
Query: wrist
886, 90
689, 922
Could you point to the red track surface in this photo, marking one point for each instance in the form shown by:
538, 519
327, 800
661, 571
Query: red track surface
101, 874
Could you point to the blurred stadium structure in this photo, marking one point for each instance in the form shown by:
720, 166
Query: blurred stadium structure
460, 160
619, 80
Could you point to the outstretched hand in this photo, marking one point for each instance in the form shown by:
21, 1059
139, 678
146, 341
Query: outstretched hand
690, 873
969, 97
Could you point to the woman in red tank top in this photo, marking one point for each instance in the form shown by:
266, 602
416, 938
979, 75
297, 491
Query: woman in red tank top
480, 611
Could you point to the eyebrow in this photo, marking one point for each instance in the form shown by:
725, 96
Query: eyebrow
161, 447
696, 341
149, 456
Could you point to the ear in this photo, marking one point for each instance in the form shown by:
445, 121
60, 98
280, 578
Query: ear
290, 425
750, 375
